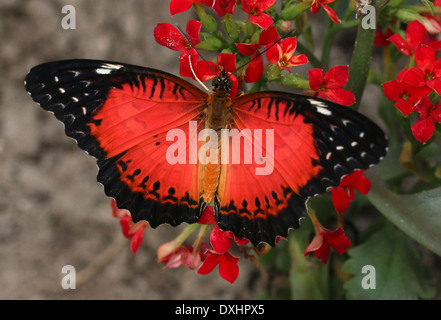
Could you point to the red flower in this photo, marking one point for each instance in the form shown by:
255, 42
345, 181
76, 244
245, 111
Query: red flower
342, 198
406, 90
255, 9
254, 69
282, 54
429, 69
170, 37
130, 230
324, 240
331, 85
228, 268
221, 242
415, 35
315, 7
425, 126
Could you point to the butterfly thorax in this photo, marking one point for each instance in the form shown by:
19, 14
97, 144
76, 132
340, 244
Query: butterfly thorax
219, 104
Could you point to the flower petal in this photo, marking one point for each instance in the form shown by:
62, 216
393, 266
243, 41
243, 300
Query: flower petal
209, 263
406, 107
401, 45
338, 240
178, 6
423, 129
298, 60
192, 30
188, 59
220, 240
341, 96
336, 77
363, 185
167, 35
204, 72
340, 199
273, 53
137, 239
425, 58
435, 84
254, 70
392, 90
331, 13
207, 216
323, 253
228, 268
247, 49
228, 61
269, 36
436, 113
315, 78
262, 20
415, 34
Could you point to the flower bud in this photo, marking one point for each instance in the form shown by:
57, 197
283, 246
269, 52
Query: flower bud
209, 43
208, 22
231, 27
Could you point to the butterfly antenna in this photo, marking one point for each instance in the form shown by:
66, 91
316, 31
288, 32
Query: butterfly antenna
188, 39
266, 49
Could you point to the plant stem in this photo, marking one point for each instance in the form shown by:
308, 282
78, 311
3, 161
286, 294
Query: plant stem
360, 62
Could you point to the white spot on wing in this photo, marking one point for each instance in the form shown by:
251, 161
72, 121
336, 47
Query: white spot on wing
320, 107
107, 68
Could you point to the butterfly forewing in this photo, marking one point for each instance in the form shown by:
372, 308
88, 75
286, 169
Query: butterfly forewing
121, 114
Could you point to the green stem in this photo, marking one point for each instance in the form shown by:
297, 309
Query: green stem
361, 62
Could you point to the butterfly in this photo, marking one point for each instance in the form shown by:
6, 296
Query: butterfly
121, 114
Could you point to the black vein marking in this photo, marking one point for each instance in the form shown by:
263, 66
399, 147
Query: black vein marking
270, 105
155, 82
161, 80
175, 89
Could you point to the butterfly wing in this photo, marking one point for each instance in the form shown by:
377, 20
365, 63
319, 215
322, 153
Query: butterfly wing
121, 114
315, 142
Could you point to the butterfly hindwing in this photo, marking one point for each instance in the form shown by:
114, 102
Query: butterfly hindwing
120, 114
316, 143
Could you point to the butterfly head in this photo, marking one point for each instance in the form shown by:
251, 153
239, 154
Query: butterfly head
222, 85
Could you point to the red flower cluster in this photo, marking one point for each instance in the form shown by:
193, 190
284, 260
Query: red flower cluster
411, 88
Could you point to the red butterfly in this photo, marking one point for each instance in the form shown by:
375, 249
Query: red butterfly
121, 115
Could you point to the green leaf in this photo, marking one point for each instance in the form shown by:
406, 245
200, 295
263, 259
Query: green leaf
418, 215
429, 5
393, 268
